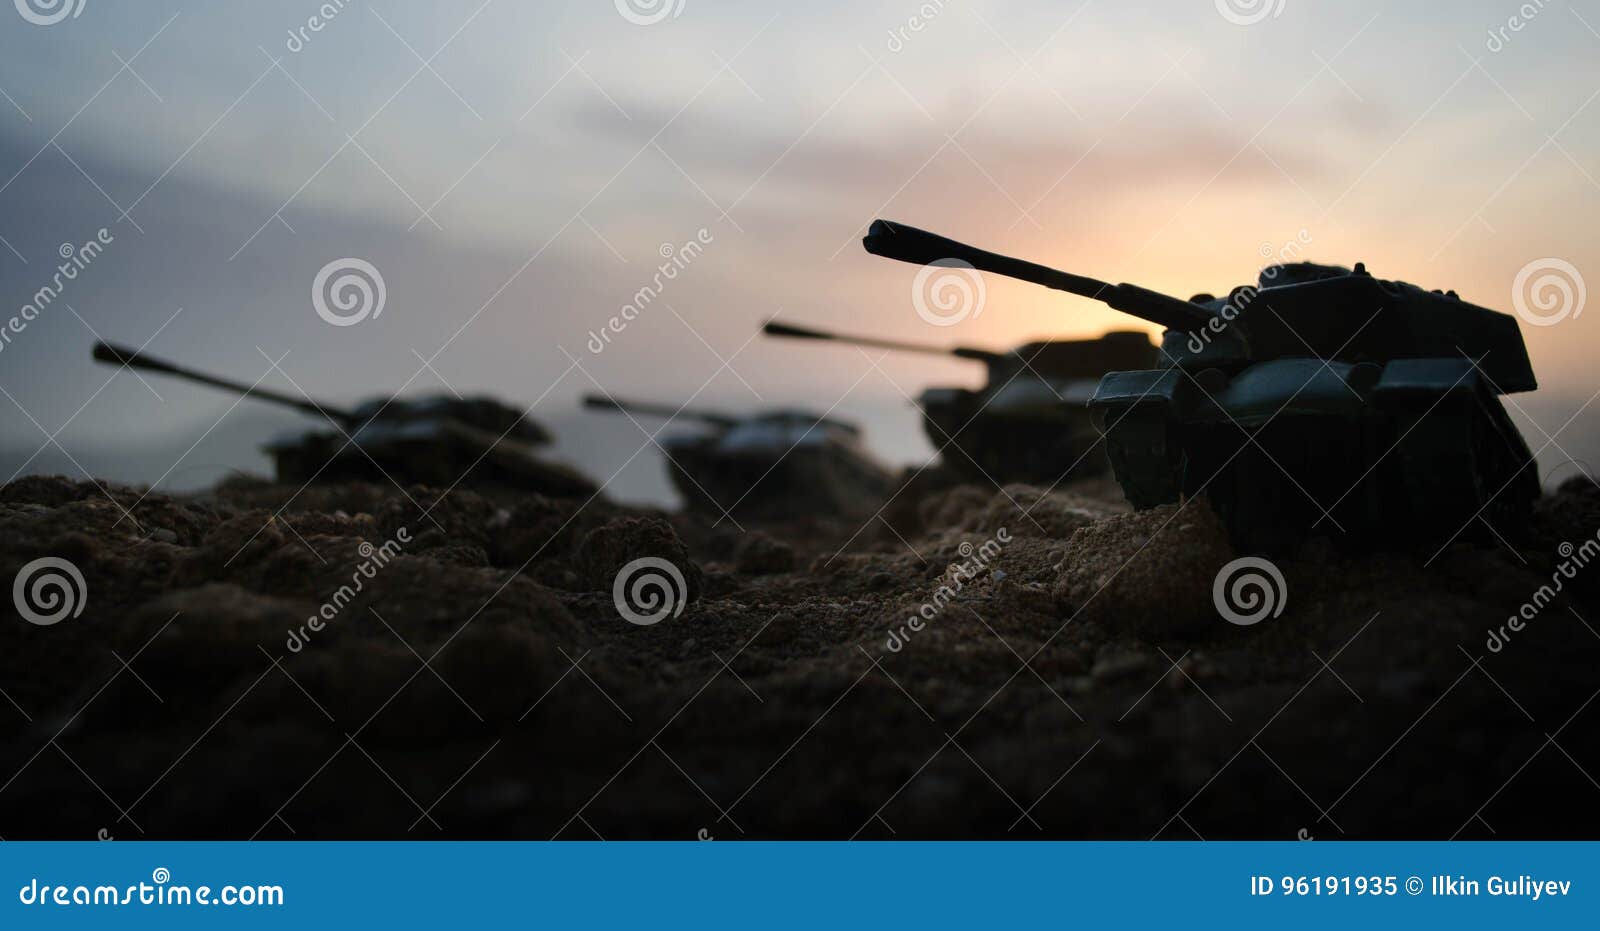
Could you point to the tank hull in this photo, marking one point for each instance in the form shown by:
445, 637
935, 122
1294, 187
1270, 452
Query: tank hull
1416, 452
442, 455
777, 484
1042, 445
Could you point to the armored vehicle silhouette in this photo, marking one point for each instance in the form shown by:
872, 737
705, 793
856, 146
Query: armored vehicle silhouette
435, 440
1320, 398
772, 465
1029, 422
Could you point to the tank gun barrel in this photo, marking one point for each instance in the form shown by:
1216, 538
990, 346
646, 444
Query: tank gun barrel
664, 411
134, 359
920, 247
774, 328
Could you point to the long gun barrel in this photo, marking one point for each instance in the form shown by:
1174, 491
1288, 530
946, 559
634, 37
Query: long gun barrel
664, 411
774, 328
132, 358
920, 247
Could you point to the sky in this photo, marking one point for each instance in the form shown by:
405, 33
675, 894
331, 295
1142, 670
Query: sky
515, 174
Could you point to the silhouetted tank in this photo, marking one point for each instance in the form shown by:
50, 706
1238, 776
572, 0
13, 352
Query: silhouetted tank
435, 440
1320, 398
1028, 422
772, 465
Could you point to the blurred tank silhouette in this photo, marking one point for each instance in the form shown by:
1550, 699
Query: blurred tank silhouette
1030, 420
772, 465
1320, 398
434, 440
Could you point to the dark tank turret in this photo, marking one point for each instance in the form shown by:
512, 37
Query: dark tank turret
777, 464
436, 440
1028, 422
1319, 399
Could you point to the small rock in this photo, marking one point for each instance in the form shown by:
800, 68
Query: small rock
759, 554
607, 549
1116, 665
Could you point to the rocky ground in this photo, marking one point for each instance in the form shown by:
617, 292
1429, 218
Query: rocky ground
1078, 682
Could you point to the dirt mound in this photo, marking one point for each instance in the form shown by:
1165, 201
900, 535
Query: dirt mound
368, 661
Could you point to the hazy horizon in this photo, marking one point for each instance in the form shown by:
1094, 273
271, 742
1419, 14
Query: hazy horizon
518, 190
